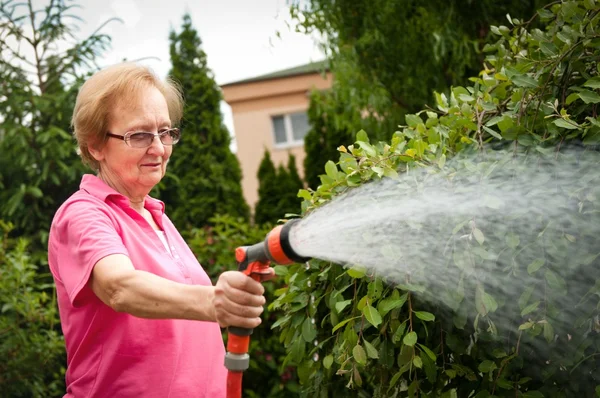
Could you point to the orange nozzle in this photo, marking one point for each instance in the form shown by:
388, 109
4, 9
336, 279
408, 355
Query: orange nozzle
278, 246
274, 246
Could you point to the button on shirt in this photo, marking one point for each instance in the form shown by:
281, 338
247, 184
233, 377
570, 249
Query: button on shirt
111, 354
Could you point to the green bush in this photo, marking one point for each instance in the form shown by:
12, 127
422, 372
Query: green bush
537, 93
215, 246
31, 345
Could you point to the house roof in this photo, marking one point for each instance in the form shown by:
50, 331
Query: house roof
312, 67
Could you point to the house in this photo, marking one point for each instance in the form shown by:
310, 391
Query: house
269, 113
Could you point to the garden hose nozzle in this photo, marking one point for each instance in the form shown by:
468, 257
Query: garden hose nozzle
254, 261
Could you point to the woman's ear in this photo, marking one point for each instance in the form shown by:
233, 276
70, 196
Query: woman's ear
97, 153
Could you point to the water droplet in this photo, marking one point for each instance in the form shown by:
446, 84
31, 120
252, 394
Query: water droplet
315, 357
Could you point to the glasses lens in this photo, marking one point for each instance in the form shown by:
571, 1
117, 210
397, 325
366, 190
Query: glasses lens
170, 137
141, 139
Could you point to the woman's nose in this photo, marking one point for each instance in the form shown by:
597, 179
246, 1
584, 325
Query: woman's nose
157, 147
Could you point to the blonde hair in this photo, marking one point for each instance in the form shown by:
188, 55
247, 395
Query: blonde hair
99, 95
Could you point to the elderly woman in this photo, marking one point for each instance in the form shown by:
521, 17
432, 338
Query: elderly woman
139, 314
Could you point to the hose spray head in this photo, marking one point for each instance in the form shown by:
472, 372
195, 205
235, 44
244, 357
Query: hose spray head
278, 246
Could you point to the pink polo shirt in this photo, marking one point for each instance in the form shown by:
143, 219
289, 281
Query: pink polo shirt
111, 354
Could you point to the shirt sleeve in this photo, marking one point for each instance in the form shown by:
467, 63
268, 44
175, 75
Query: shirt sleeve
82, 233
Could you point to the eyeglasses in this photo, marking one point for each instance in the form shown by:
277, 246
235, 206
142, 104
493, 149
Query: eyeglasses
143, 139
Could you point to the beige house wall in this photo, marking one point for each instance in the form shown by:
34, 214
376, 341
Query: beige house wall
252, 105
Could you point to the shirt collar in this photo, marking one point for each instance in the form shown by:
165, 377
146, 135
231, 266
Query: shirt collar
98, 188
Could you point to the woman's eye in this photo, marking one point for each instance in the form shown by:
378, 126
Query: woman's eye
139, 137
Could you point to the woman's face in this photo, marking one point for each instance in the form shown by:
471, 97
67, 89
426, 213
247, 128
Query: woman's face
136, 170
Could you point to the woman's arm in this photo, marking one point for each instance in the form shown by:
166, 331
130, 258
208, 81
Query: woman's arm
236, 300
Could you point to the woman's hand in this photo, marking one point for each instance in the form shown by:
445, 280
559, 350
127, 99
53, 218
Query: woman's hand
238, 300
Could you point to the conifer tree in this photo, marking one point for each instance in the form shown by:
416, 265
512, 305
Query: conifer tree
278, 190
289, 202
267, 191
204, 176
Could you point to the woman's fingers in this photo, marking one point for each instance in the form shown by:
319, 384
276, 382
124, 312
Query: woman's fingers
238, 300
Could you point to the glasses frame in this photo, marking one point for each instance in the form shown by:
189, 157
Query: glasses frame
126, 137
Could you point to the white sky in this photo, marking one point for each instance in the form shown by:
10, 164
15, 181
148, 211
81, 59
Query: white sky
238, 36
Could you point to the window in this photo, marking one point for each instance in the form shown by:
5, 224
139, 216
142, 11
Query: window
290, 129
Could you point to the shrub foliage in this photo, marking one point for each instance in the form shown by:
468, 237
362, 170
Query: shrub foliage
537, 92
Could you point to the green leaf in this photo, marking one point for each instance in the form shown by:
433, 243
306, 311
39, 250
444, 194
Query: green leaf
478, 236
530, 308
427, 351
356, 272
490, 302
339, 306
372, 315
362, 136
425, 316
525, 296
556, 282
589, 97
571, 125
479, 304
410, 339
487, 366
331, 169
492, 133
378, 170
369, 150
413, 120
526, 325
374, 289
572, 97
359, 354
342, 323
304, 194
371, 351
328, 361
309, 332
594, 82
399, 332
525, 81
535, 265
418, 362
512, 240
388, 304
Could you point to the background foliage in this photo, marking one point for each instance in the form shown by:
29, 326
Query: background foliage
388, 57
277, 190
39, 168
31, 345
538, 91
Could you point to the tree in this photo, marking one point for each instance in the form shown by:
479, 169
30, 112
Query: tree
277, 190
266, 210
499, 299
203, 177
39, 167
389, 56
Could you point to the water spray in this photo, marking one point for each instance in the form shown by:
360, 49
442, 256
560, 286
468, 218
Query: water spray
254, 261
